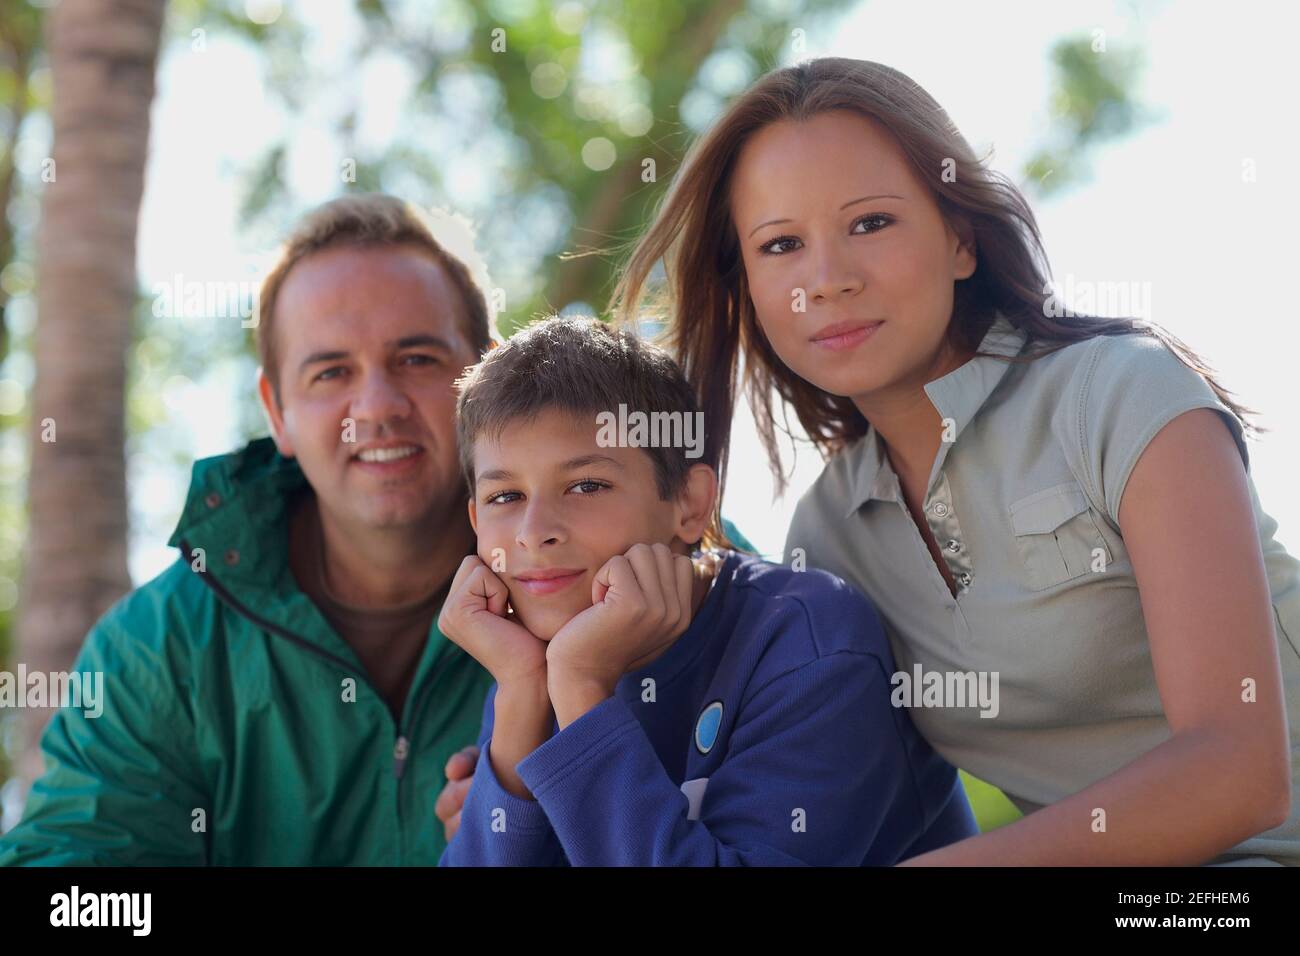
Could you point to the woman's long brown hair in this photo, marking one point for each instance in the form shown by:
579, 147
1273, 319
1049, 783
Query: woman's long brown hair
709, 315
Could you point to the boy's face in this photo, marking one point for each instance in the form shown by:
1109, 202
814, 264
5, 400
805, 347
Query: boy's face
548, 498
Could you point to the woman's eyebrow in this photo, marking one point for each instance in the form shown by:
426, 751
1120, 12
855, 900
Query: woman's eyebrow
773, 222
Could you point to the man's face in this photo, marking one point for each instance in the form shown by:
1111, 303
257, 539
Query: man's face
369, 342
547, 497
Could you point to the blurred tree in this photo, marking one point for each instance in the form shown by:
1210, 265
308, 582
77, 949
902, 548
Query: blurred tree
20, 32
103, 55
1091, 101
573, 112
20, 99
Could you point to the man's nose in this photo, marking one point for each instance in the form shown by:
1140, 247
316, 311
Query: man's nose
379, 399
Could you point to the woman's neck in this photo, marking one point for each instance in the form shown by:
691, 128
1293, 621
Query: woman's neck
907, 420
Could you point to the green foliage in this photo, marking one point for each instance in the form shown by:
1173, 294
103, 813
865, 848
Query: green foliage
1092, 101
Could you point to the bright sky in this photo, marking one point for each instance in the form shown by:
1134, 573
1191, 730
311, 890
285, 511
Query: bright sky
1166, 206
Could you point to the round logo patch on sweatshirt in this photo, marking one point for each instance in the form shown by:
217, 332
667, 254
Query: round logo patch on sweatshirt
706, 728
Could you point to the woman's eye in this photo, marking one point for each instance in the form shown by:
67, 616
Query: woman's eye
496, 498
771, 247
879, 218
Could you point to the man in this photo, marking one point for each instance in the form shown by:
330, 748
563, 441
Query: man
281, 694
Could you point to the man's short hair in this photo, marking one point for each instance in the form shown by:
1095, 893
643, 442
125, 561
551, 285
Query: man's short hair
369, 220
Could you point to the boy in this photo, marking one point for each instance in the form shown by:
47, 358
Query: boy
650, 708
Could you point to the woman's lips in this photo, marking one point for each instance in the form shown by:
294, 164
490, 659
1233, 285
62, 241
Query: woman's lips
847, 340
539, 586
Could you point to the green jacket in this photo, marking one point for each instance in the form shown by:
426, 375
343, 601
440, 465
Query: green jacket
227, 735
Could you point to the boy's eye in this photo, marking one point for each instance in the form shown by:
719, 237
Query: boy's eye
591, 486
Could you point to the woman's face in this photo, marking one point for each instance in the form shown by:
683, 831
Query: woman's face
849, 263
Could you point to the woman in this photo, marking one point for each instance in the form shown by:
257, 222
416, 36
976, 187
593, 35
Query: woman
1053, 508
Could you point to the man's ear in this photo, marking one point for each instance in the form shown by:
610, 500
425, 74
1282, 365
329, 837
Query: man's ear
274, 416
695, 503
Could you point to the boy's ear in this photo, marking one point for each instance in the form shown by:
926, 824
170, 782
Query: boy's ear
695, 503
274, 416
473, 513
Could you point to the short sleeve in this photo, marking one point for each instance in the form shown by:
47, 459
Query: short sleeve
1128, 388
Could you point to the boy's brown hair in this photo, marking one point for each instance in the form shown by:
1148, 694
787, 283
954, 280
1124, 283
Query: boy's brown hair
581, 366
367, 220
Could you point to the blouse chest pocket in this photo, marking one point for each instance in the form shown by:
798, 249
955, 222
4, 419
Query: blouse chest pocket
1057, 536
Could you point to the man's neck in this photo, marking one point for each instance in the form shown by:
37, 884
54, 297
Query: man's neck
392, 567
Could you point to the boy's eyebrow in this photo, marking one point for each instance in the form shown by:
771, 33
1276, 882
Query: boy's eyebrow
772, 222
582, 461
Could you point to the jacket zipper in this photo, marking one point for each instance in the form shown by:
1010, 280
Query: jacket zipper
402, 747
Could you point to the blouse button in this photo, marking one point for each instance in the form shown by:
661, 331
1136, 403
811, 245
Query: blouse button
954, 546
964, 578
941, 509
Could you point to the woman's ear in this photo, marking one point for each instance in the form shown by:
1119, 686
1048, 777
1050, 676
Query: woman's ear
964, 252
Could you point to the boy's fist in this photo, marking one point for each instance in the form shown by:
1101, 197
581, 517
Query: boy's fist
474, 617
641, 603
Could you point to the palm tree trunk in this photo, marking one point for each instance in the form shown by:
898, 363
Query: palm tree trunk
102, 56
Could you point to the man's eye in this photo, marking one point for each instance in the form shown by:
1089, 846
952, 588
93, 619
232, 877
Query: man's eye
420, 359
326, 375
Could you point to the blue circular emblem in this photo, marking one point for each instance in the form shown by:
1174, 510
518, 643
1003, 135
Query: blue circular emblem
706, 728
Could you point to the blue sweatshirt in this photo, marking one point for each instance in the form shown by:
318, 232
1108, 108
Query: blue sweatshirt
763, 736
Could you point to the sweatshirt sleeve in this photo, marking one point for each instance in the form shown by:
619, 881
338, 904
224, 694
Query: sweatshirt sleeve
498, 828
814, 767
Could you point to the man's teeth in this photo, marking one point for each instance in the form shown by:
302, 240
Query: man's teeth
387, 454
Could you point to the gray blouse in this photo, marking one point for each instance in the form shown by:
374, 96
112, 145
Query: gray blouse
1037, 676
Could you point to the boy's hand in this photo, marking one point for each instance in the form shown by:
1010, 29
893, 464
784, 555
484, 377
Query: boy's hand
641, 603
474, 617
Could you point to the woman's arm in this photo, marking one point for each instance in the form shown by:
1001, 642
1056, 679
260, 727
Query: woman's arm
1224, 775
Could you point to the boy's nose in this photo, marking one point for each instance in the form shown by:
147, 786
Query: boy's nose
538, 529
